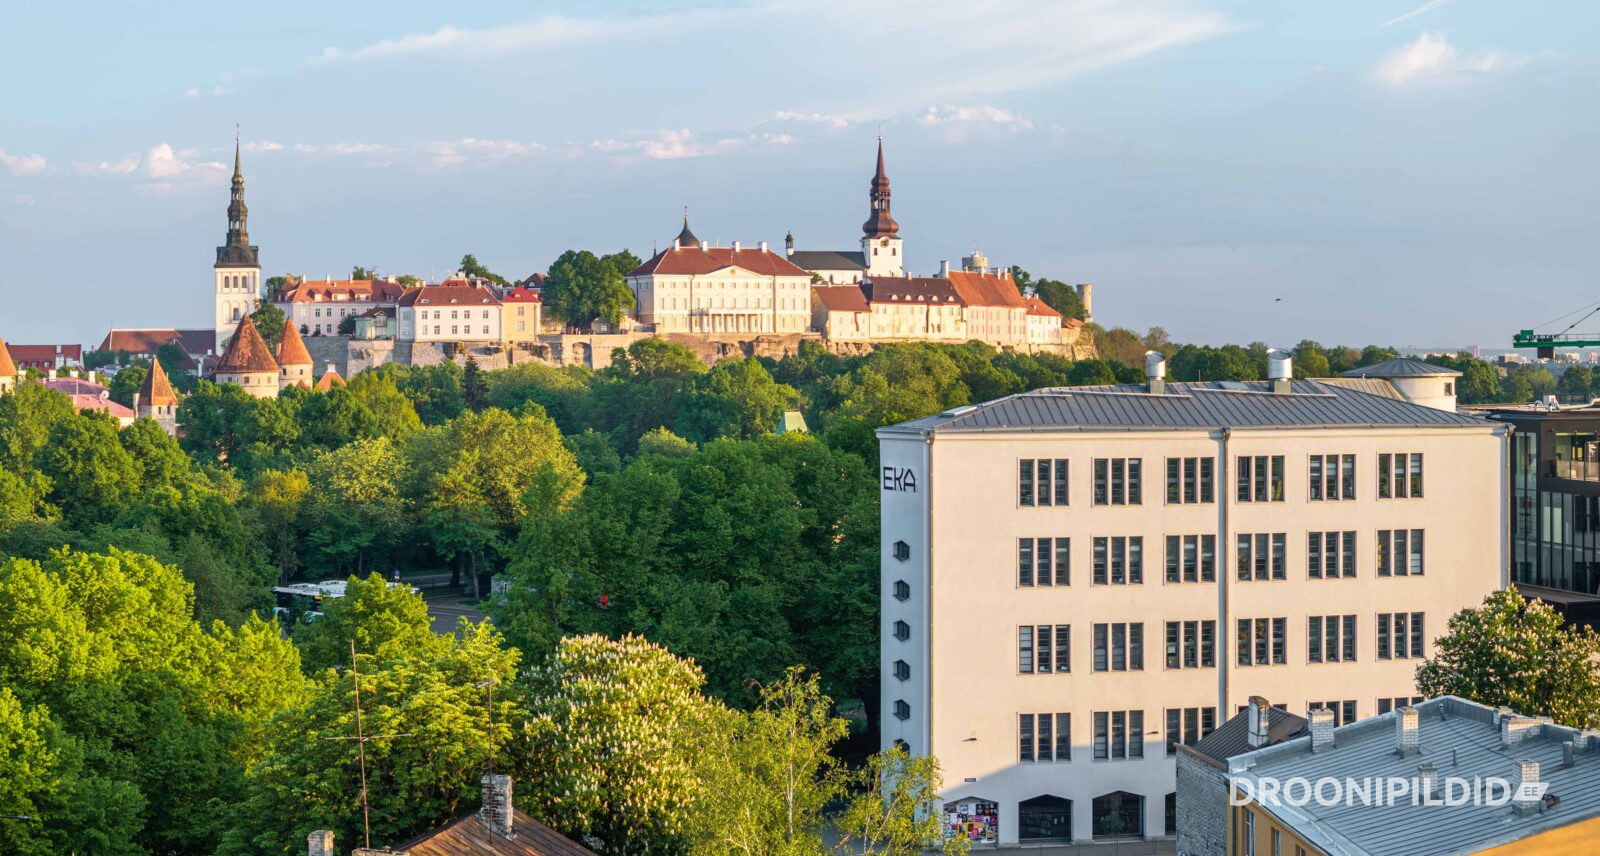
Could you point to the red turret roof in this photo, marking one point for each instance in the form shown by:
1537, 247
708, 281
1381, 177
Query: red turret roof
247, 352
7, 367
156, 390
292, 349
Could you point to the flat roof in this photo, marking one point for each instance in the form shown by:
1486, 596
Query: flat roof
1199, 406
1461, 739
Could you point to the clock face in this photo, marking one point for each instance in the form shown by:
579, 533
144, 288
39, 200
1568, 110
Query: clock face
884, 242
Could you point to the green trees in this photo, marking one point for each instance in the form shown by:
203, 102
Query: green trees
269, 321
582, 287
471, 267
1517, 652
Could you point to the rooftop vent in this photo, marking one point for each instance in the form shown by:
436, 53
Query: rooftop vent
1321, 729
1280, 369
1155, 372
1260, 722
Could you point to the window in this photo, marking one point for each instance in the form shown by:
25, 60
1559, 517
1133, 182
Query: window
1399, 552
1188, 726
902, 630
1387, 704
1118, 481
1331, 638
1332, 477
1330, 555
1261, 478
1261, 556
1190, 480
902, 590
902, 711
1118, 735
1400, 476
1044, 648
902, 670
1042, 482
1191, 644
1044, 737
1044, 561
902, 550
1344, 712
1119, 560
1191, 558
1261, 641
1399, 635
1249, 833
1277, 842
1119, 647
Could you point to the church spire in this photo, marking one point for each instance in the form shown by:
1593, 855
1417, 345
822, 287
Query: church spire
879, 222
237, 252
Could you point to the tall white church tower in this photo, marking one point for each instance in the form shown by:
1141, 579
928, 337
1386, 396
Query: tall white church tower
880, 239
238, 285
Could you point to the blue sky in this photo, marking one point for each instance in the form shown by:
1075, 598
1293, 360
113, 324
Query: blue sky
1405, 172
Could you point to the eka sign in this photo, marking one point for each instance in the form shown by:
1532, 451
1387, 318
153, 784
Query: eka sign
899, 479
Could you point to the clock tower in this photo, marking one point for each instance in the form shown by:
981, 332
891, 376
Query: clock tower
880, 239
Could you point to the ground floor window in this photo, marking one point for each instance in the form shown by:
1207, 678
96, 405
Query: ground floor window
1172, 813
977, 820
1118, 814
1044, 818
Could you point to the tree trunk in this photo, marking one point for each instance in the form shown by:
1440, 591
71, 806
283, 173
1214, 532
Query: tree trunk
472, 567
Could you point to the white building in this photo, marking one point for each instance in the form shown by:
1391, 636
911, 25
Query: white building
452, 311
882, 248
1077, 580
693, 287
317, 307
236, 275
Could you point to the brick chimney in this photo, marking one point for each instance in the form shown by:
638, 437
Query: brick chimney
1429, 784
1321, 729
1405, 732
1514, 729
320, 843
1260, 721
1526, 804
496, 811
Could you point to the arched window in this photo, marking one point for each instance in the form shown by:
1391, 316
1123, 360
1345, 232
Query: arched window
235, 313
1118, 814
1044, 818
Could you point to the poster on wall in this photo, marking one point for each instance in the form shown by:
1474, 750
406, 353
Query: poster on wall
976, 820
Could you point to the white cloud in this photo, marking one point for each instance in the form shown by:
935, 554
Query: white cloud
447, 153
834, 122
263, 146
22, 164
196, 92
161, 165
683, 143
1420, 10
339, 149
981, 114
1432, 58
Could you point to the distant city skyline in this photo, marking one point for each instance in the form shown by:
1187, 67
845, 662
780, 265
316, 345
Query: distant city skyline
1371, 172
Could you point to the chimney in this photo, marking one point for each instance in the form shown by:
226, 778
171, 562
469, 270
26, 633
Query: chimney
1321, 729
736, 246
763, 246
705, 245
1405, 732
1155, 372
1429, 776
136, 402
1524, 802
1569, 751
1515, 728
944, 268
496, 811
1260, 722
320, 843
1280, 369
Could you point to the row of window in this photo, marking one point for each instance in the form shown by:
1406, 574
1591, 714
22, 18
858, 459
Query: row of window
455, 314
1044, 649
1044, 482
1119, 560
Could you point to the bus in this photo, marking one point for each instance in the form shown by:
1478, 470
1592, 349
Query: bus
307, 599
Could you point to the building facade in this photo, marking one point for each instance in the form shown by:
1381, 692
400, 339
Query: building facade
693, 287
452, 311
237, 284
520, 311
1076, 581
156, 401
955, 307
318, 307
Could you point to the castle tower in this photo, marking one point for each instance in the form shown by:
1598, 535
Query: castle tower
880, 239
294, 361
248, 362
8, 370
156, 400
238, 269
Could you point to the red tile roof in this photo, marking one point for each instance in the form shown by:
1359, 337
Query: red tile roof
146, 342
42, 356
156, 389
291, 348
470, 836
323, 290
88, 396
247, 352
841, 298
448, 295
1039, 307
7, 367
329, 380
911, 289
986, 289
695, 261
521, 295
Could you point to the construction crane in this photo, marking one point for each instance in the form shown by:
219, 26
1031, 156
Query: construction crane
1546, 343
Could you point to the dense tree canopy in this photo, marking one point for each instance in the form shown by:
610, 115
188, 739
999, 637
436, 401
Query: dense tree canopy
582, 287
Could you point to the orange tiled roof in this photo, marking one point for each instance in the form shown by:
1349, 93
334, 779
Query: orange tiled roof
521, 295
842, 298
292, 349
247, 352
7, 367
695, 261
1039, 307
986, 289
448, 295
329, 380
322, 290
156, 389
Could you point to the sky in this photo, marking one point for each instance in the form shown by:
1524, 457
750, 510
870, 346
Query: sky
1405, 172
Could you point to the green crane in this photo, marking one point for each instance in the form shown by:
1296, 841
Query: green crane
1546, 343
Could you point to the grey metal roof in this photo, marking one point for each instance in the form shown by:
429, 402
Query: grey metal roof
1233, 737
1197, 406
1403, 367
1462, 740
828, 260
1368, 385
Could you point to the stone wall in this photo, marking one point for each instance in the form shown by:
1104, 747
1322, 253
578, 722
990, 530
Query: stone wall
328, 349
1202, 808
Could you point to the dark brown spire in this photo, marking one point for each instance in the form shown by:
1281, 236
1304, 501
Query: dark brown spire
879, 223
686, 238
237, 252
